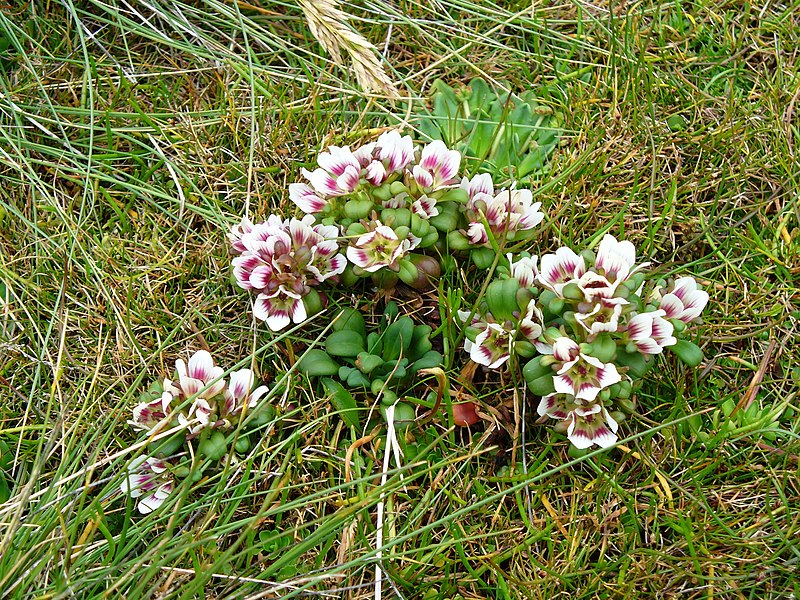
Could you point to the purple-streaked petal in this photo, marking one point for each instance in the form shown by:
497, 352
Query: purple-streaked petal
306, 198
565, 349
423, 177
376, 173
338, 160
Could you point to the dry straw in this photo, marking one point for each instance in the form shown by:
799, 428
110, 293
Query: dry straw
330, 25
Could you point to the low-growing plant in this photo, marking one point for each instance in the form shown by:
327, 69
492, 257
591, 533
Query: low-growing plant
202, 408
496, 133
591, 325
382, 363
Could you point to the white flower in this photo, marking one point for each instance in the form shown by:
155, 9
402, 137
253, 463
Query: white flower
437, 168
589, 423
603, 316
283, 260
338, 173
201, 377
559, 269
149, 480
380, 248
508, 212
524, 270
238, 393
651, 332
306, 198
279, 308
492, 346
685, 301
579, 374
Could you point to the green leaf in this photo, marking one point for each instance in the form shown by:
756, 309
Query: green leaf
352, 320
689, 353
542, 386
397, 339
317, 363
342, 400
5, 489
367, 362
429, 360
346, 343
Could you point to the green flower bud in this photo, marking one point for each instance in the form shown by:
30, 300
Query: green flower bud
501, 297
402, 217
524, 348
556, 305
408, 272
445, 221
429, 239
689, 353
625, 405
242, 444
355, 230
348, 278
482, 257
313, 302
213, 447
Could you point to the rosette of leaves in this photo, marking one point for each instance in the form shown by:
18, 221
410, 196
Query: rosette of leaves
495, 132
382, 362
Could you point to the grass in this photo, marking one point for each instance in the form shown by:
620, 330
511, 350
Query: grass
134, 134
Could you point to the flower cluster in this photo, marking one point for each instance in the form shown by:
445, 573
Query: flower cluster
394, 205
590, 328
281, 261
200, 404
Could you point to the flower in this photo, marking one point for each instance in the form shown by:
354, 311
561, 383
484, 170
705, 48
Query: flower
239, 392
507, 213
589, 423
148, 414
530, 325
559, 269
685, 301
279, 308
307, 198
236, 233
650, 332
614, 263
150, 480
338, 173
524, 270
601, 316
616, 260
201, 376
201, 379
282, 261
394, 151
579, 374
492, 347
437, 167
380, 248
425, 207
479, 189
494, 341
